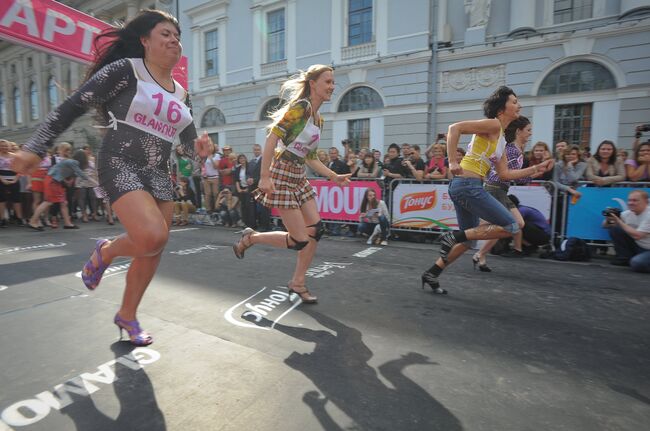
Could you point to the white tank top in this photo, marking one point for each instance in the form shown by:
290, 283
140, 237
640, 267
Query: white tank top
155, 110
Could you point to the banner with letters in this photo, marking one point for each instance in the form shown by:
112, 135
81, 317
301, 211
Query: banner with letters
585, 217
47, 25
429, 206
340, 203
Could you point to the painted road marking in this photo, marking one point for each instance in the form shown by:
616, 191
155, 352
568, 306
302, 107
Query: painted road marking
264, 307
367, 252
30, 248
325, 269
3, 287
32, 410
198, 249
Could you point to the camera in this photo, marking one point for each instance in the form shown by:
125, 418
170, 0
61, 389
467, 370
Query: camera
641, 128
441, 136
610, 211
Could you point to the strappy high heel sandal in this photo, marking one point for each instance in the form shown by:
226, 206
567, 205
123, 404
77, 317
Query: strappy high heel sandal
302, 293
91, 274
137, 336
483, 267
244, 243
432, 281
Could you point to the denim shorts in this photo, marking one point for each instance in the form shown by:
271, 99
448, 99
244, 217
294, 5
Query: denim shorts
473, 203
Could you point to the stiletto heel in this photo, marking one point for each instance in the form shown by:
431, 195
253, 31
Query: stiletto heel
137, 336
303, 294
244, 242
483, 267
431, 280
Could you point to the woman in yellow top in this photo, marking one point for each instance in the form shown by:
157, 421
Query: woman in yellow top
283, 183
471, 201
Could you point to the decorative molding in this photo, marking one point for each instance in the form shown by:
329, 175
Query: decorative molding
274, 67
357, 51
472, 79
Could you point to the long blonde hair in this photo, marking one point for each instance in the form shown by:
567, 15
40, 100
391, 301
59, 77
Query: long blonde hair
296, 88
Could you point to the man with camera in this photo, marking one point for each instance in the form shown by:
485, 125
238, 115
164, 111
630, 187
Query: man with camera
630, 232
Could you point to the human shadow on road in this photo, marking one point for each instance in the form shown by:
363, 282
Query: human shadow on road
137, 401
339, 368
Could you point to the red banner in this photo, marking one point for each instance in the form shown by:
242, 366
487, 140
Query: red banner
340, 203
49, 26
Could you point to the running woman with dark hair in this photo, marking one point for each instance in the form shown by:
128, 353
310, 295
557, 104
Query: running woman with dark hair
471, 201
131, 86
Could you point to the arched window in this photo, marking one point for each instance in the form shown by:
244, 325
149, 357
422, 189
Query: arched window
3, 111
576, 77
33, 101
360, 99
18, 111
213, 117
269, 107
52, 94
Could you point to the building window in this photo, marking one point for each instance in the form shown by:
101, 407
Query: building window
573, 124
52, 94
359, 133
577, 76
270, 107
215, 138
211, 53
360, 99
213, 118
3, 111
571, 10
359, 22
33, 101
275, 36
18, 111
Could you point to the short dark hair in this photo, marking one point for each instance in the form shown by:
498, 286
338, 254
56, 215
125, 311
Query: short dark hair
517, 124
395, 146
496, 103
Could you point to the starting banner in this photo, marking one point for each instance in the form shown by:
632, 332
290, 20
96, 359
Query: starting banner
50, 26
340, 202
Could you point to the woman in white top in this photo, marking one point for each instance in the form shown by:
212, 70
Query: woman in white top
373, 217
283, 184
211, 179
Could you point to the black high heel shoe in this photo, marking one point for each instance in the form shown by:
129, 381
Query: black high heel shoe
483, 267
432, 281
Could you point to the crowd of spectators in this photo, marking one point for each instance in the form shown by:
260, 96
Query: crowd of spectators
221, 186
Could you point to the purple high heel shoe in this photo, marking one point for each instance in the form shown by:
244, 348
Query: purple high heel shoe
137, 336
91, 274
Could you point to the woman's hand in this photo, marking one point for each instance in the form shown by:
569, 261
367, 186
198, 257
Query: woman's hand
342, 180
455, 168
203, 145
24, 162
266, 185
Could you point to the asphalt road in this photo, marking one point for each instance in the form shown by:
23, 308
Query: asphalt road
534, 345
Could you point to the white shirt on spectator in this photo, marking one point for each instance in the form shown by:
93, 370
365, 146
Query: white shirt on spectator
210, 170
640, 222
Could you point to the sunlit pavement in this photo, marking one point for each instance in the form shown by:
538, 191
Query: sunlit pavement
534, 345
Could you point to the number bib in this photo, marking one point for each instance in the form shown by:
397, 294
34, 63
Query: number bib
155, 110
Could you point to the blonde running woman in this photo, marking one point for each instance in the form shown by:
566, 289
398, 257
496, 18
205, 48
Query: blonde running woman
283, 184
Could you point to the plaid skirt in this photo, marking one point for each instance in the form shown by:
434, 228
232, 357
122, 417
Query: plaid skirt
292, 189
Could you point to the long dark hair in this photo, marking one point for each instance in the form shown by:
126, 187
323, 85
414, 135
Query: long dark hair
81, 157
115, 44
517, 124
370, 168
365, 202
612, 158
638, 150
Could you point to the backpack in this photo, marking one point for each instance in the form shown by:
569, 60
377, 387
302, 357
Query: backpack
573, 249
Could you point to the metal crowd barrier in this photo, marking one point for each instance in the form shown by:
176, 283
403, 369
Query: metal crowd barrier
558, 221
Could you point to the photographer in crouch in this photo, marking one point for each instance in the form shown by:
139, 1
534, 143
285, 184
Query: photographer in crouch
630, 232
